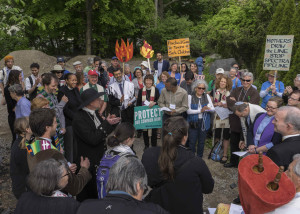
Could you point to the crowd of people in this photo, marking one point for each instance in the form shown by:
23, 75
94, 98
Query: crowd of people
63, 123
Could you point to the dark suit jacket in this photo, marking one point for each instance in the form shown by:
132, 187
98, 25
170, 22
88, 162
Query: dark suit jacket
165, 65
282, 154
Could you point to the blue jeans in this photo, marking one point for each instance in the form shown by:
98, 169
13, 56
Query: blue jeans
197, 134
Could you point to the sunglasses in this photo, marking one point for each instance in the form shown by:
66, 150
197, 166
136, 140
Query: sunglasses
201, 88
246, 80
59, 72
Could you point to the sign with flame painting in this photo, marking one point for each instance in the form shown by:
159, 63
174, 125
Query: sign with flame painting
124, 52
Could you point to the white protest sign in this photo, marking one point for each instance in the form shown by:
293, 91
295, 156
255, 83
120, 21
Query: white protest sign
278, 52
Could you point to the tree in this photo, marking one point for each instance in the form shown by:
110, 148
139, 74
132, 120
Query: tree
237, 29
280, 25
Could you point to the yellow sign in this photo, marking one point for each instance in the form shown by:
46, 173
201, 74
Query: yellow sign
179, 47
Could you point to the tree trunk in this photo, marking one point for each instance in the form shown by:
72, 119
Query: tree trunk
88, 34
160, 9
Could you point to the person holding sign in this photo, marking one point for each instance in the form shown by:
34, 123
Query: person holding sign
271, 88
173, 98
200, 106
148, 96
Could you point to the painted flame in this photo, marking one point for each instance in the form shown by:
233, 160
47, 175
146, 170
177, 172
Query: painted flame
124, 52
146, 50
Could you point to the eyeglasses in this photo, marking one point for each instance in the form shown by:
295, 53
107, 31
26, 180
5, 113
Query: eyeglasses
293, 99
66, 175
201, 88
246, 80
269, 107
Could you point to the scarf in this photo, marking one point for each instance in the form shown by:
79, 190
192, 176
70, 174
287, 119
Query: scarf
144, 97
38, 146
58, 138
221, 97
144, 94
94, 118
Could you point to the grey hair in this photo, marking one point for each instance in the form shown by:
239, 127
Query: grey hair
233, 68
240, 108
298, 77
104, 63
125, 174
126, 65
248, 74
198, 82
16, 88
296, 169
292, 116
45, 177
90, 61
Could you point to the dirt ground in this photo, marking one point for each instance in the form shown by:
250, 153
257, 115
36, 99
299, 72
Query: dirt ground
223, 177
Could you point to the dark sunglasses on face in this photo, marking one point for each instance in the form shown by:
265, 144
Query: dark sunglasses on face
246, 80
59, 72
201, 88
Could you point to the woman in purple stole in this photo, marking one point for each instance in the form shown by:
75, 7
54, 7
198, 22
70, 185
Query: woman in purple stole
261, 135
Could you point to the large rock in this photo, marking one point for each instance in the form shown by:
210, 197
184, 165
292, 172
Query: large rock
221, 63
24, 58
82, 58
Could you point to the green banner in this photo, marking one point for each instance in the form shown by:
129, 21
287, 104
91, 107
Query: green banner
147, 118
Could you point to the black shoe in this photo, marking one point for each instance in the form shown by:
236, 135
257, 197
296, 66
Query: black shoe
237, 200
229, 165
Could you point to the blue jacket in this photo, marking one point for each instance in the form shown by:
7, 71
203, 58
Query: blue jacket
267, 95
165, 66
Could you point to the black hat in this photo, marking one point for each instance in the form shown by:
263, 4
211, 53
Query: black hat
88, 96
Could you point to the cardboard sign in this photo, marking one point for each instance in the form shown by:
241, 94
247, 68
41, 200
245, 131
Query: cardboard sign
179, 47
147, 118
278, 52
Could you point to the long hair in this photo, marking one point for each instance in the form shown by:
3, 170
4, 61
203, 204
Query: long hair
122, 132
20, 126
13, 77
174, 129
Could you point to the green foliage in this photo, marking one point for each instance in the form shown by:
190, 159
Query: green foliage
9, 43
171, 27
237, 29
281, 24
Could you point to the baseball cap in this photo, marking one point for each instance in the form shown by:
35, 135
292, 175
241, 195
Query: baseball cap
92, 72
77, 63
220, 71
114, 57
60, 59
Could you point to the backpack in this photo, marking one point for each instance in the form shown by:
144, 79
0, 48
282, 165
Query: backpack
102, 172
216, 152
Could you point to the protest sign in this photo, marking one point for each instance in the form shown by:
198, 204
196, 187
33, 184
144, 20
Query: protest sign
147, 118
179, 47
278, 52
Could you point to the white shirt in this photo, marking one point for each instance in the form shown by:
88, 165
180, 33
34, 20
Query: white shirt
28, 85
293, 207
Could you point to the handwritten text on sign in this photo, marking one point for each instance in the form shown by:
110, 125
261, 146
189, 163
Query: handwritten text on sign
147, 118
278, 52
179, 47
